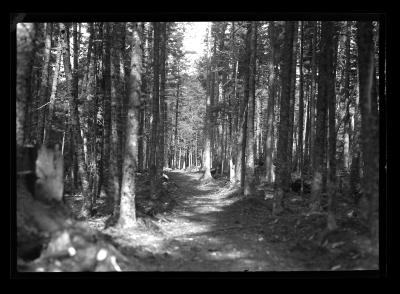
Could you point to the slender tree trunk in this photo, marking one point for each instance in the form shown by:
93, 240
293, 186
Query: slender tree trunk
176, 124
209, 121
325, 68
332, 190
269, 132
306, 158
313, 97
49, 121
292, 98
142, 111
347, 127
107, 113
44, 85
249, 181
369, 126
88, 59
301, 109
283, 165
162, 129
78, 142
127, 217
116, 100
154, 165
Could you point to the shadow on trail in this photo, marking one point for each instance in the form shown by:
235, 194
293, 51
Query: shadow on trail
215, 229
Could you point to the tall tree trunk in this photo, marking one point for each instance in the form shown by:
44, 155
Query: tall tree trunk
107, 113
209, 121
269, 132
154, 165
44, 85
301, 107
347, 122
49, 122
76, 128
143, 102
292, 98
249, 181
313, 97
127, 217
162, 129
325, 69
306, 158
331, 222
100, 89
176, 124
283, 165
369, 126
93, 90
116, 100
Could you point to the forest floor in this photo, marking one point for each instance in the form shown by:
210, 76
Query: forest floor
212, 227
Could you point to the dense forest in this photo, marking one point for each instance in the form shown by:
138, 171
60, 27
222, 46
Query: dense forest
272, 133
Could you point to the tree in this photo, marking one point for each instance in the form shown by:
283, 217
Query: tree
127, 216
282, 169
301, 106
270, 115
49, 121
116, 101
76, 127
331, 223
347, 132
208, 124
369, 126
107, 113
249, 180
292, 98
154, 164
44, 84
324, 89
161, 136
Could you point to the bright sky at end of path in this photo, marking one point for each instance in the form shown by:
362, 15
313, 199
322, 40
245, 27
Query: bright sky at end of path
194, 41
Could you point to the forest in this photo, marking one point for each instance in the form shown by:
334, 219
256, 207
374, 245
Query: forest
257, 152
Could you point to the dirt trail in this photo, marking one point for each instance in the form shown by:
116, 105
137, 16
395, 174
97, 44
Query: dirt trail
209, 231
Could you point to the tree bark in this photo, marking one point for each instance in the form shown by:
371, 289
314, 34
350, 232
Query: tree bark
325, 69
162, 129
332, 189
313, 97
249, 181
116, 100
49, 122
209, 122
44, 85
76, 128
369, 126
292, 98
347, 122
283, 165
301, 107
154, 164
107, 113
269, 132
127, 217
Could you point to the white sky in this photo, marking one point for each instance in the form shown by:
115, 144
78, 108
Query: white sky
194, 41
